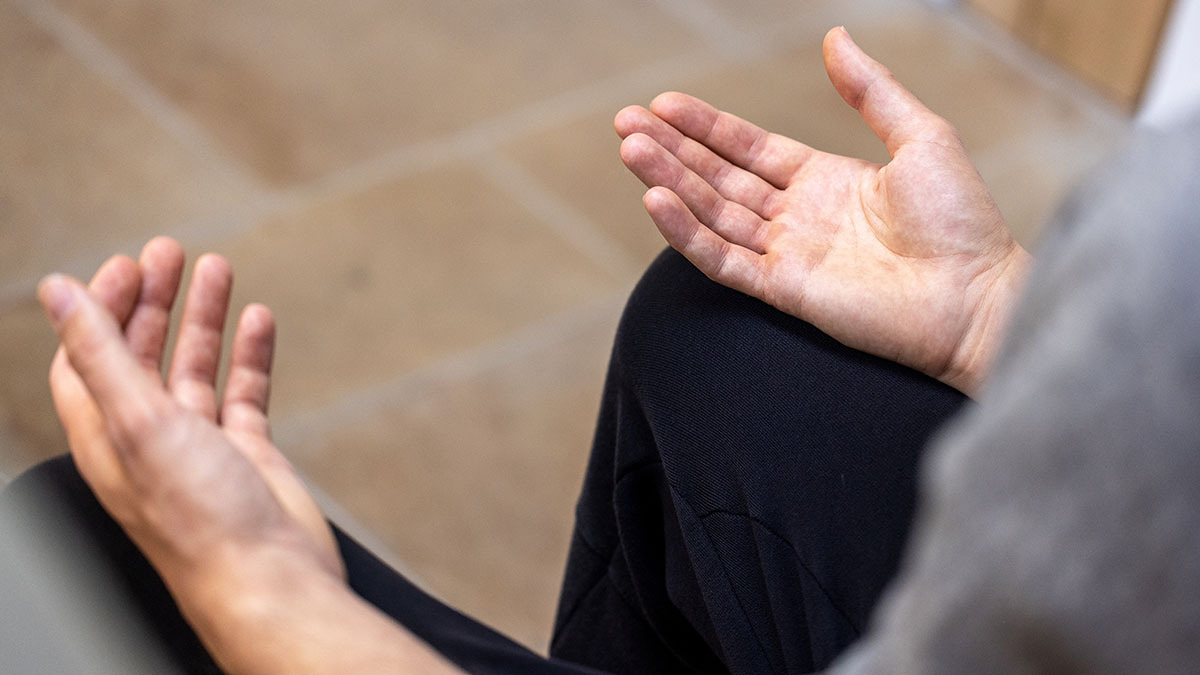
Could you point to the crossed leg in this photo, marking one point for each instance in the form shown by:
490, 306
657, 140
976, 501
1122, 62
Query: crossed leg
749, 491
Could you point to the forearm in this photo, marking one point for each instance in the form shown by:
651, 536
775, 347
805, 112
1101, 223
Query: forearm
276, 613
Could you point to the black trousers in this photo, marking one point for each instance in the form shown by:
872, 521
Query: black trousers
748, 497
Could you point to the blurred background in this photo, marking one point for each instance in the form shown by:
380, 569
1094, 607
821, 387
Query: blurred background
429, 196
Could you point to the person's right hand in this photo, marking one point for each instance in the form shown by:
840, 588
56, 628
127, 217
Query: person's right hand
910, 261
194, 479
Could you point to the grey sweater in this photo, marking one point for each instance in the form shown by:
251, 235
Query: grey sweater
1060, 525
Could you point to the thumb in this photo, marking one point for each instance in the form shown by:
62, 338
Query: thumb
895, 115
96, 349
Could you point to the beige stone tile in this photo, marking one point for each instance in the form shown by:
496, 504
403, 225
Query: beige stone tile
409, 272
80, 168
789, 93
794, 23
474, 485
29, 430
297, 89
991, 101
1032, 178
580, 163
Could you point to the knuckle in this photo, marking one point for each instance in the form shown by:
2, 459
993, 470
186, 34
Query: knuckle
81, 342
137, 423
944, 131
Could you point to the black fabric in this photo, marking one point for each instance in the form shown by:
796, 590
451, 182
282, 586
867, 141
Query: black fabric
468, 643
750, 488
748, 497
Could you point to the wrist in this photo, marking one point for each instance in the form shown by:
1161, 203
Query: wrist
238, 596
989, 323
275, 609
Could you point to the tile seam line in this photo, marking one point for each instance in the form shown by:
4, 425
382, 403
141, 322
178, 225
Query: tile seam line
485, 136
1047, 74
989, 37
89, 50
489, 134
461, 366
711, 25
557, 215
480, 139
196, 230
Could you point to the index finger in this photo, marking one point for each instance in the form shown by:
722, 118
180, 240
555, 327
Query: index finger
772, 157
96, 348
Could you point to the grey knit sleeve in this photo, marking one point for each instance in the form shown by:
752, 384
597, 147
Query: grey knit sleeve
1059, 529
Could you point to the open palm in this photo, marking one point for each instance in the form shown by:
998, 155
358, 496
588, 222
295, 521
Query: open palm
190, 476
910, 260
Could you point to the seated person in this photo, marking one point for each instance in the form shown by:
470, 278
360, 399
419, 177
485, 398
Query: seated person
753, 476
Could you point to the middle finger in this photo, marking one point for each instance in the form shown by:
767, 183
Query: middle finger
193, 374
730, 181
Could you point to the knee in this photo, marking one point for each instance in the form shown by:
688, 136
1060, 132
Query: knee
676, 314
672, 285
678, 322
684, 337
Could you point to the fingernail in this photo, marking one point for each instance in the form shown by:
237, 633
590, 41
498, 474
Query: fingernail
56, 296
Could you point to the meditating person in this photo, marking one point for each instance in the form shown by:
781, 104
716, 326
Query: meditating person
777, 380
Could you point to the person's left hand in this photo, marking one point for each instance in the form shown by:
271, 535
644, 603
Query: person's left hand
195, 481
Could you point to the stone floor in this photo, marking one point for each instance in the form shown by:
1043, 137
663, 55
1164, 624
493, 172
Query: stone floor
429, 196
